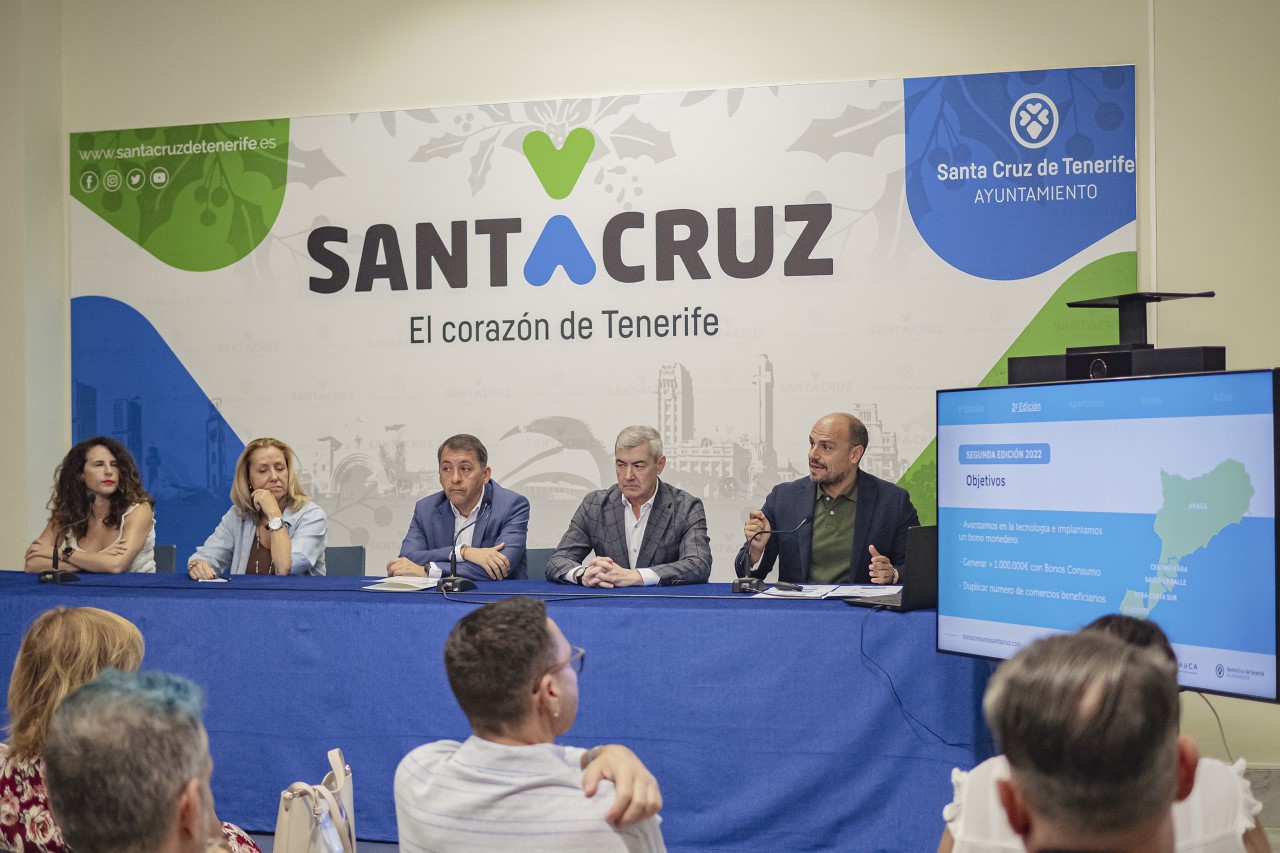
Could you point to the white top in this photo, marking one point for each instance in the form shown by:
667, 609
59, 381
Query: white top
145, 559
1219, 811
481, 795
635, 528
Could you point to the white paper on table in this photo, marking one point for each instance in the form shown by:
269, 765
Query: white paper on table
402, 584
809, 590
865, 590
846, 590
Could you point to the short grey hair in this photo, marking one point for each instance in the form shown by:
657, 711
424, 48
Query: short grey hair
1089, 725
119, 752
634, 436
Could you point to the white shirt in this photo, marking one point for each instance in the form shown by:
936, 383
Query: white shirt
460, 521
635, 528
481, 795
1220, 809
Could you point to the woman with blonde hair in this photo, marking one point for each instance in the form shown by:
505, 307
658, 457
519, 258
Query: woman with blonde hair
272, 528
65, 648
100, 516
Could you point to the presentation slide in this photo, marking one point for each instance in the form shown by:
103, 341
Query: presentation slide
1152, 497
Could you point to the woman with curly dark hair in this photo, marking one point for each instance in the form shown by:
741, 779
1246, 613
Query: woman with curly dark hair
100, 516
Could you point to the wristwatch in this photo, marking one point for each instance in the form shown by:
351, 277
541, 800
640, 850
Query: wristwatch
275, 524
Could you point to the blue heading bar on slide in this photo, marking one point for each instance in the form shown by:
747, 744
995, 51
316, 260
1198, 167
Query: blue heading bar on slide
1245, 393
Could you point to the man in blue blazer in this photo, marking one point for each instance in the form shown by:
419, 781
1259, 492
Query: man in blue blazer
644, 532
483, 524
838, 525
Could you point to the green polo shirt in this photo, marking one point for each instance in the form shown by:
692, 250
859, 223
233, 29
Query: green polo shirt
832, 540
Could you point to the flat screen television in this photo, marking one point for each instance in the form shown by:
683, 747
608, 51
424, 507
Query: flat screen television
1154, 497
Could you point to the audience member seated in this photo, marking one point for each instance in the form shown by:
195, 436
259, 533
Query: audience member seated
100, 517
64, 649
510, 786
127, 766
272, 528
1219, 815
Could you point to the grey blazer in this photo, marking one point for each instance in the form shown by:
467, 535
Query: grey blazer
675, 546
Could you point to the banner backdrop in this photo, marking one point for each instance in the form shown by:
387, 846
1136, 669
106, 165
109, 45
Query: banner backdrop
726, 266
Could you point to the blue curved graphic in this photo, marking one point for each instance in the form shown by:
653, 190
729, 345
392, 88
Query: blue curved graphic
986, 190
127, 383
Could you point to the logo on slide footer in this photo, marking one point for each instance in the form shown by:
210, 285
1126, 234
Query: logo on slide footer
1034, 120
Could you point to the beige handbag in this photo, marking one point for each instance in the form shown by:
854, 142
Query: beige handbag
318, 818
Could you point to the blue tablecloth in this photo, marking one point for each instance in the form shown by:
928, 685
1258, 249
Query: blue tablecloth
771, 725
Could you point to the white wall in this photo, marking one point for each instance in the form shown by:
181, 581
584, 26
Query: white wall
158, 62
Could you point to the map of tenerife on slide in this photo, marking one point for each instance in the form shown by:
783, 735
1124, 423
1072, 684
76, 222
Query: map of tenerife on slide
1153, 498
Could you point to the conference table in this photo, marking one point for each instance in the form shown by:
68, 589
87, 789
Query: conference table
772, 725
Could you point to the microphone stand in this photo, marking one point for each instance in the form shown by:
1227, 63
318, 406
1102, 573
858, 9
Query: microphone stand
58, 575
453, 583
750, 584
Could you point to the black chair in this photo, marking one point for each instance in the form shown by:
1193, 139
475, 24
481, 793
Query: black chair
536, 562
166, 558
344, 561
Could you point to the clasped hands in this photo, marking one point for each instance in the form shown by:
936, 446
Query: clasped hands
492, 560
605, 573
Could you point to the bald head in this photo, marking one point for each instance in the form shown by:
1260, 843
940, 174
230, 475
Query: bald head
855, 429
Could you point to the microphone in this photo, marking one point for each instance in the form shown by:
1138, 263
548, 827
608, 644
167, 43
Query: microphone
58, 575
453, 583
753, 585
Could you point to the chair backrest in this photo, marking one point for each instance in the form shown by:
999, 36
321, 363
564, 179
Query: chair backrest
166, 558
344, 560
536, 564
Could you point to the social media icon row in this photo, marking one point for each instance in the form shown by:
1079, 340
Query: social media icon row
135, 180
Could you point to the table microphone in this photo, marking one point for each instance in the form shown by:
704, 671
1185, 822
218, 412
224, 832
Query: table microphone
750, 584
453, 583
57, 575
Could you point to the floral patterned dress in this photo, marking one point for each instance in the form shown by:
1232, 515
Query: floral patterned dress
27, 826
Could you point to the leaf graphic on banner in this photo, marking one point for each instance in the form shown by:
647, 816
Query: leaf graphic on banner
579, 112
696, 97
981, 116
857, 130
442, 147
637, 138
481, 163
500, 113
424, 116
205, 195
612, 106
541, 113
389, 123
311, 167
734, 101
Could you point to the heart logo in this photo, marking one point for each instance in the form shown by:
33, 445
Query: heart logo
558, 169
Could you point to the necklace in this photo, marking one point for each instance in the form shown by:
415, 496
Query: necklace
259, 547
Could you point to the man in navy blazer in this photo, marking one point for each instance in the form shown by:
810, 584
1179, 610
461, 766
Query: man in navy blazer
643, 531
838, 525
480, 522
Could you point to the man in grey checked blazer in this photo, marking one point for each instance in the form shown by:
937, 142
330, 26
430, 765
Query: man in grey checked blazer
643, 532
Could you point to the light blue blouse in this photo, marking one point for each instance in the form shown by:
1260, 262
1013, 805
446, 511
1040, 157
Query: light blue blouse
229, 545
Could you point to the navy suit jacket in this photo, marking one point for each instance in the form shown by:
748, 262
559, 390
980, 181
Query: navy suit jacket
504, 517
884, 514
675, 543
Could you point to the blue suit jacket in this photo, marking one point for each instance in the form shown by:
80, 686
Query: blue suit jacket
504, 517
884, 514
